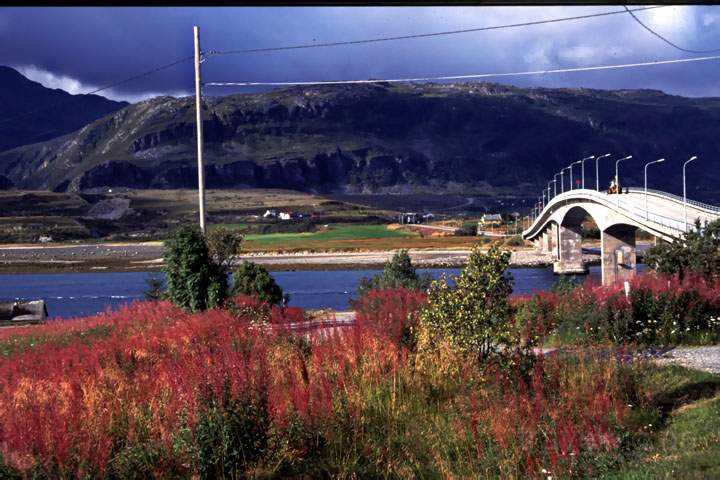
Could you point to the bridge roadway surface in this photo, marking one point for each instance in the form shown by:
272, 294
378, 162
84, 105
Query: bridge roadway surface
664, 216
557, 230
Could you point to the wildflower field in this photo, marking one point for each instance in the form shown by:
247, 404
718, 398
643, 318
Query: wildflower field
152, 391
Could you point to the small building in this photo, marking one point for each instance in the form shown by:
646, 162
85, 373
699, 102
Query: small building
45, 239
270, 214
491, 219
408, 218
286, 215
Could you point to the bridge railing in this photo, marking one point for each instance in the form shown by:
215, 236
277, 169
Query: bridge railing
674, 224
678, 198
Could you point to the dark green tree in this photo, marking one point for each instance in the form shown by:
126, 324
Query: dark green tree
194, 281
253, 280
399, 272
223, 245
698, 251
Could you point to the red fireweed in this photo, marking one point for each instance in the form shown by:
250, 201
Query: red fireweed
72, 408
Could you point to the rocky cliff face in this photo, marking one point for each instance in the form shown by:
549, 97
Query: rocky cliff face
472, 137
31, 113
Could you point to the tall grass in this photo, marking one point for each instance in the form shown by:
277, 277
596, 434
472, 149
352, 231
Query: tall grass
165, 393
657, 310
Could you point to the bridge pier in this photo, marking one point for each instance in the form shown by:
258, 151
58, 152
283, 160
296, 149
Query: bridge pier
554, 244
569, 250
618, 253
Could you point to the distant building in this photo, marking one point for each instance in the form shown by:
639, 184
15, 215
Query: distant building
490, 219
270, 214
408, 218
45, 239
286, 215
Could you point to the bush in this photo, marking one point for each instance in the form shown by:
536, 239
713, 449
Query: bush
698, 251
391, 313
223, 245
473, 315
515, 241
467, 231
155, 288
254, 280
659, 310
195, 282
232, 434
399, 272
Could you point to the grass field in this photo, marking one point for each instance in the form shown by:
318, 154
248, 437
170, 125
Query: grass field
686, 441
336, 232
351, 237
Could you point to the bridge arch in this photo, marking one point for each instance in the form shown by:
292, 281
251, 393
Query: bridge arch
557, 228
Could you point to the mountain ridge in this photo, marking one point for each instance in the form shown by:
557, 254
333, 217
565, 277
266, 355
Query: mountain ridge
31, 113
377, 138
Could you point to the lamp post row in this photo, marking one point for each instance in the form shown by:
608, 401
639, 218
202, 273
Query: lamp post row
542, 202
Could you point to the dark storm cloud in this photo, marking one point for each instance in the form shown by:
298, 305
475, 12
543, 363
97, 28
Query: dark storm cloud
82, 48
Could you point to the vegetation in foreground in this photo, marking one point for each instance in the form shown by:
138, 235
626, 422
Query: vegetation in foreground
168, 393
438, 383
407, 391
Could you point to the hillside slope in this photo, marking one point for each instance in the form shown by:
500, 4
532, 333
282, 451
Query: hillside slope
31, 113
401, 138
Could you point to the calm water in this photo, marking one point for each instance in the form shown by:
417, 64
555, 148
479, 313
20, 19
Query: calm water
79, 294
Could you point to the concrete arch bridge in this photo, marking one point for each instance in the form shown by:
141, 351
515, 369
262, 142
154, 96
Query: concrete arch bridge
557, 228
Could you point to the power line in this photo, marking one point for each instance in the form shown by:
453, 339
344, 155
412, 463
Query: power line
466, 77
665, 39
425, 35
97, 90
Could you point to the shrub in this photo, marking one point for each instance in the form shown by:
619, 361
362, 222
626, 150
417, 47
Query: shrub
399, 272
223, 245
155, 288
474, 314
195, 282
254, 280
515, 241
467, 231
232, 433
698, 251
391, 313
659, 310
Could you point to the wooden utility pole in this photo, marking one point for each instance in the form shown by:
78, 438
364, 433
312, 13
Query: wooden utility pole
198, 112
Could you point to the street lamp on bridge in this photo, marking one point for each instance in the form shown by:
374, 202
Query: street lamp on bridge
553, 182
582, 168
617, 178
562, 179
660, 160
571, 175
597, 172
685, 191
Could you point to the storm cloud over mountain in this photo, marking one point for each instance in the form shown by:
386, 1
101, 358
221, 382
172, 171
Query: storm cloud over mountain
78, 49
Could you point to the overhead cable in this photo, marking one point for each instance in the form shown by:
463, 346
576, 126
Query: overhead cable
425, 35
467, 77
665, 39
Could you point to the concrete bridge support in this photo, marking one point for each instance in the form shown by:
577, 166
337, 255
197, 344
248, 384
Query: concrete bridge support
570, 250
618, 253
549, 240
554, 243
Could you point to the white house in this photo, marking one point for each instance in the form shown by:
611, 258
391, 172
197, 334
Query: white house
285, 215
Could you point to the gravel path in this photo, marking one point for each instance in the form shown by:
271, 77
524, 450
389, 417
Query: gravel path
706, 359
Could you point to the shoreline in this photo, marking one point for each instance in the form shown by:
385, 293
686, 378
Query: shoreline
148, 258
